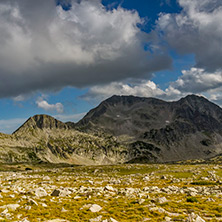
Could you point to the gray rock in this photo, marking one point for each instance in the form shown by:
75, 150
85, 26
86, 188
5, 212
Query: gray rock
167, 219
55, 193
161, 200
110, 220
65, 192
4, 212
56, 220
33, 202
199, 219
40, 192
97, 219
11, 207
146, 178
109, 188
158, 209
24, 220
194, 218
95, 208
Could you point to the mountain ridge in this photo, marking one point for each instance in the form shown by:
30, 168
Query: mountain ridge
42, 121
122, 129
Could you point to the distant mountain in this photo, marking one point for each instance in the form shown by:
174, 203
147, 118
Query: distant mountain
122, 129
159, 130
131, 115
41, 122
44, 139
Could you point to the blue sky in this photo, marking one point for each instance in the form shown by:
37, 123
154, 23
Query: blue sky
63, 58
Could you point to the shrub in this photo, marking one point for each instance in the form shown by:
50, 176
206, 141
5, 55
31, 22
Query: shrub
192, 199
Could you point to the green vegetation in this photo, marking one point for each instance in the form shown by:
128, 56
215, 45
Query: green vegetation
137, 192
204, 183
192, 199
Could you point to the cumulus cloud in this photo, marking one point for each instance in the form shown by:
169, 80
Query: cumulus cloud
143, 88
43, 104
194, 80
44, 47
197, 29
197, 80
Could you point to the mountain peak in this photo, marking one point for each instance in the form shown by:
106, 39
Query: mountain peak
134, 128
197, 101
42, 121
194, 97
130, 100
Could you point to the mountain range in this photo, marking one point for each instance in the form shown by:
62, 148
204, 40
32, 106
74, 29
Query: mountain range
122, 129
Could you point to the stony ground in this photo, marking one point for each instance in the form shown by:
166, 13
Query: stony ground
111, 193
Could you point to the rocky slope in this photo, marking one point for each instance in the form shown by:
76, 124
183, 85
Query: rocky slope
44, 139
156, 130
122, 129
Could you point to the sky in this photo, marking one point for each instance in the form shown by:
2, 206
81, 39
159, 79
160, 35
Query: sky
63, 57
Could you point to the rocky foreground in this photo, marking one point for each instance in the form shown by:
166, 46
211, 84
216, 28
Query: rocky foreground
111, 193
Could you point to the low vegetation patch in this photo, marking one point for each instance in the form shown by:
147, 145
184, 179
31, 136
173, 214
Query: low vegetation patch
132, 192
205, 183
192, 199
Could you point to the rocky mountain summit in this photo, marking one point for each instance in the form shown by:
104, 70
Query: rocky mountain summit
122, 129
156, 130
42, 122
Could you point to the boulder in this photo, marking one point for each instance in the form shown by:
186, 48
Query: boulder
40, 192
95, 208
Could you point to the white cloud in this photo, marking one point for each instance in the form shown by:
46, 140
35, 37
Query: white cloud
198, 80
195, 80
44, 47
196, 29
43, 104
143, 88
20, 98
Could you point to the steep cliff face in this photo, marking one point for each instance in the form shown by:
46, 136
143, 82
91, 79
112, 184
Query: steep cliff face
122, 129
